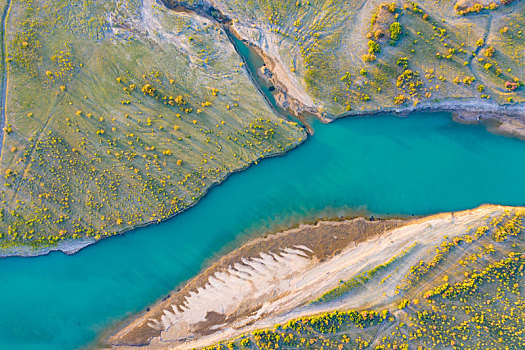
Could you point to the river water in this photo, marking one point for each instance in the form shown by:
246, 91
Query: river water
384, 165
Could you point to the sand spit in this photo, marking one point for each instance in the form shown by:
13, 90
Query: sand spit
272, 280
268, 259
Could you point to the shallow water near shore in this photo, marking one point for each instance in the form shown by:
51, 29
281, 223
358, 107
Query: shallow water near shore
384, 164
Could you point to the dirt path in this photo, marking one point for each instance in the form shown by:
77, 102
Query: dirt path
3, 87
42, 129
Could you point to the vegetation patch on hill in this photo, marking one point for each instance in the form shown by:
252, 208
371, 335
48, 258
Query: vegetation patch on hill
120, 114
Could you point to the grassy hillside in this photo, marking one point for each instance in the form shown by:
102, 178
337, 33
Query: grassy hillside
366, 55
119, 115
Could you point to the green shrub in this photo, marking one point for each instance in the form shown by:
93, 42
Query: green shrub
395, 32
373, 47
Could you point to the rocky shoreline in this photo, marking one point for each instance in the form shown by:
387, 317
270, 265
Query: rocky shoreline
69, 247
510, 119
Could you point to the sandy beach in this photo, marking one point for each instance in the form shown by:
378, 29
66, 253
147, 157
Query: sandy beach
271, 280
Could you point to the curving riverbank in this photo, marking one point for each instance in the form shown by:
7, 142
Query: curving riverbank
70, 247
505, 122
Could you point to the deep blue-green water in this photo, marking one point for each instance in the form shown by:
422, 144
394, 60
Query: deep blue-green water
418, 165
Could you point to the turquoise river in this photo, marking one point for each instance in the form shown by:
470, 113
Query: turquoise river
383, 165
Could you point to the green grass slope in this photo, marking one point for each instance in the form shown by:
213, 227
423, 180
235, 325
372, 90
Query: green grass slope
368, 55
119, 115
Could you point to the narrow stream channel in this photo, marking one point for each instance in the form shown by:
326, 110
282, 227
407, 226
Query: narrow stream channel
251, 58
